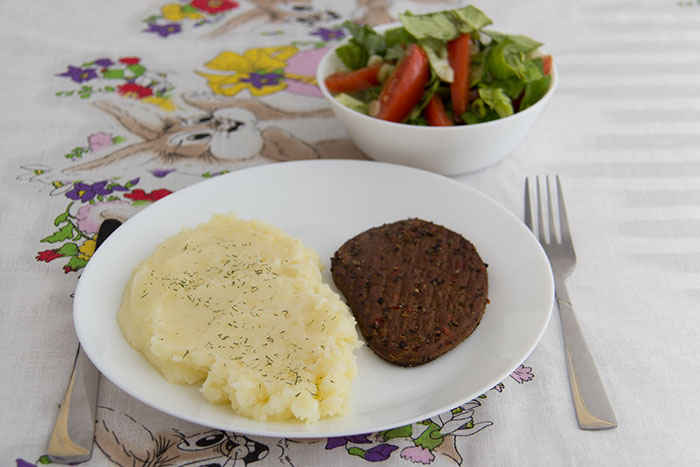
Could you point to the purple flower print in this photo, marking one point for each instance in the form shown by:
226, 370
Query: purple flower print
163, 30
380, 453
79, 74
260, 80
418, 454
160, 173
99, 140
103, 62
85, 191
522, 373
329, 34
333, 443
377, 453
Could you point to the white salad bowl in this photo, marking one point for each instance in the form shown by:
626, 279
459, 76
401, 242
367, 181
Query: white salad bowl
446, 150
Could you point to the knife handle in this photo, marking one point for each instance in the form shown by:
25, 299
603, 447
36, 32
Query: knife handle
593, 409
74, 430
72, 436
106, 228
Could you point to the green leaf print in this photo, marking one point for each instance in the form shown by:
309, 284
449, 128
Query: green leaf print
65, 233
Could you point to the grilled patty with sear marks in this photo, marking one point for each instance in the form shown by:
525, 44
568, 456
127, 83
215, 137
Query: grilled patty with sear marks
416, 289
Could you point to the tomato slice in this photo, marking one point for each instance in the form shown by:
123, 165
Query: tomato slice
459, 57
356, 80
404, 87
435, 112
547, 64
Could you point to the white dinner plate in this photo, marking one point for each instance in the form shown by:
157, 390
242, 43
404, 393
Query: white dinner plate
324, 203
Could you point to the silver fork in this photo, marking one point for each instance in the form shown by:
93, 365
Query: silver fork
593, 409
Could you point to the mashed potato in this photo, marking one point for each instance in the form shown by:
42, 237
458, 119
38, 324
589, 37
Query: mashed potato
241, 307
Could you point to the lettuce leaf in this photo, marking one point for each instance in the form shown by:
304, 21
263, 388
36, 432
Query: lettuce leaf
478, 113
398, 36
396, 41
497, 99
355, 104
476, 70
522, 43
534, 91
444, 25
394, 53
365, 42
368, 95
512, 87
367, 38
436, 50
505, 60
533, 70
352, 55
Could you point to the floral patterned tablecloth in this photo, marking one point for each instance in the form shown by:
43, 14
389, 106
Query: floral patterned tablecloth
109, 108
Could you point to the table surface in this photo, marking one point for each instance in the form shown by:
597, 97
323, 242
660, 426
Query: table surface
97, 104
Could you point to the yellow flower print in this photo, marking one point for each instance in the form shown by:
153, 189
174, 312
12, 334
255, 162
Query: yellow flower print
260, 71
164, 103
87, 249
264, 58
174, 12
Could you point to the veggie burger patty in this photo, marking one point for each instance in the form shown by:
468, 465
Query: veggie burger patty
416, 289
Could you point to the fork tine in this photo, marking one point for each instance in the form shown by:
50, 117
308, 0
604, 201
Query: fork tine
550, 205
540, 214
563, 218
528, 208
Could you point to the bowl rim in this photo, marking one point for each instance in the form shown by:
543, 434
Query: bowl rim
320, 81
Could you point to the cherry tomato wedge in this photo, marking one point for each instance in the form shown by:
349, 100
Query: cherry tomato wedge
404, 87
435, 112
459, 57
356, 80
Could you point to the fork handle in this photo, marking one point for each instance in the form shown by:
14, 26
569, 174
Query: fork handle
593, 409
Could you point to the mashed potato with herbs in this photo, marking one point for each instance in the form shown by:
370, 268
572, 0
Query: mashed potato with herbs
241, 306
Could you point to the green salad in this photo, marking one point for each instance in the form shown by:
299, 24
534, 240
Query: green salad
440, 69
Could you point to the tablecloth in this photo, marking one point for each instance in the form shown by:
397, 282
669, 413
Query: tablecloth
108, 107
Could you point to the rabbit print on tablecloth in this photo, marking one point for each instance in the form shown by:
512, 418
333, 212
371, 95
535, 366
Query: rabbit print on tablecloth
225, 134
